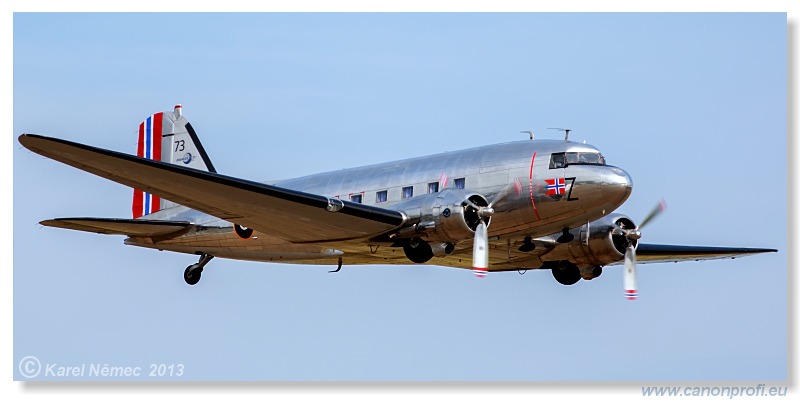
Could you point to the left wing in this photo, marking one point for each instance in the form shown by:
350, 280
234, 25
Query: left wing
284, 213
507, 257
649, 253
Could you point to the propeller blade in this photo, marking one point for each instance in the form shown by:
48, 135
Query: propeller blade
473, 205
658, 209
480, 247
630, 273
480, 251
481, 211
515, 188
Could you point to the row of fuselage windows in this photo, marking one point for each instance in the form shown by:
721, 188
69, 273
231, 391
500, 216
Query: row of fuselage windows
406, 193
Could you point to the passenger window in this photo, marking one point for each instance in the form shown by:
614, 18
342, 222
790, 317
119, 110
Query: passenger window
408, 192
356, 198
381, 196
433, 187
557, 160
459, 183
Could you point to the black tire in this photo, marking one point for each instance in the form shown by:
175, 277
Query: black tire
597, 271
567, 273
242, 232
191, 275
418, 251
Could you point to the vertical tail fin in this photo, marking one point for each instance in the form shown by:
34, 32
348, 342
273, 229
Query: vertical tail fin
167, 137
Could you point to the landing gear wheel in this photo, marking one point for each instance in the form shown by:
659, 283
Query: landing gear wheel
418, 251
566, 273
192, 274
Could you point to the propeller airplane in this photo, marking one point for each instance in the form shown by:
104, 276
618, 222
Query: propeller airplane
531, 204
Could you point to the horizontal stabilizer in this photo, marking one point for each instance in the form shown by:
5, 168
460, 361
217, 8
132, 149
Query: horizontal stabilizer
118, 226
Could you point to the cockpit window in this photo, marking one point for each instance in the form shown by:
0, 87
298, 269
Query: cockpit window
561, 160
557, 160
591, 159
572, 158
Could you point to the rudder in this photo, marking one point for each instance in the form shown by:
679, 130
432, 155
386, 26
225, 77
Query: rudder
170, 138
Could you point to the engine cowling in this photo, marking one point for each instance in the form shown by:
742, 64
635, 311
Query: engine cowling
594, 244
449, 216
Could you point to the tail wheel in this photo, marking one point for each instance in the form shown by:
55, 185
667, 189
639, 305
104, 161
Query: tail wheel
192, 274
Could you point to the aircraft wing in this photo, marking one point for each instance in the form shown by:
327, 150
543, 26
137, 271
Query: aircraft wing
510, 259
287, 214
649, 253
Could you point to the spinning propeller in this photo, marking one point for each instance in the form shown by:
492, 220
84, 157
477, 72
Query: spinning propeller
480, 246
632, 236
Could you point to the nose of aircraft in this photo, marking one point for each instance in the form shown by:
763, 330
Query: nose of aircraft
619, 185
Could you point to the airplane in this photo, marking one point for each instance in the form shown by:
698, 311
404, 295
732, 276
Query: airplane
522, 205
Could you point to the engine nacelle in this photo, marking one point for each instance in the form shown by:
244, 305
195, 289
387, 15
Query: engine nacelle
594, 244
449, 216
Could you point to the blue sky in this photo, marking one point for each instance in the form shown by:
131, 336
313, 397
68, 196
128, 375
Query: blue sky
692, 106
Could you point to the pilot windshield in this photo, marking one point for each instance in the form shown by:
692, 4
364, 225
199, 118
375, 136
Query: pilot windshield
557, 160
572, 158
561, 160
590, 159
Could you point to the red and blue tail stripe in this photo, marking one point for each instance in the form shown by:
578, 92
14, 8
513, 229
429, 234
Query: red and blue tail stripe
149, 147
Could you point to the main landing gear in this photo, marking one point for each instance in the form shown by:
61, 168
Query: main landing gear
565, 272
417, 250
192, 273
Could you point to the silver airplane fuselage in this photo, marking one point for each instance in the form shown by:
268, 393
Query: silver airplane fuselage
542, 187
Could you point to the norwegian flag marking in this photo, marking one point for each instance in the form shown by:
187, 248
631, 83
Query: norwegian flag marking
149, 147
555, 186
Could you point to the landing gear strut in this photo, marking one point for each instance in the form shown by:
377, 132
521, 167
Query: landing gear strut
192, 273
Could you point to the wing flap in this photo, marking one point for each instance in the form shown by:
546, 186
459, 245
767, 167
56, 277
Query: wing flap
118, 226
288, 214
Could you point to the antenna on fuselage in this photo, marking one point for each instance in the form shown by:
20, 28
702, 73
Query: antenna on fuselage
566, 137
530, 132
